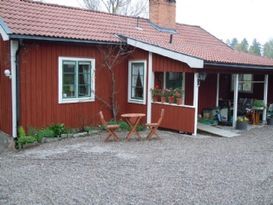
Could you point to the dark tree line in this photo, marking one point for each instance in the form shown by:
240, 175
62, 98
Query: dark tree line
255, 47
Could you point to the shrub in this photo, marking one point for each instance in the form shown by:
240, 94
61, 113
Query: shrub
58, 129
21, 132
44, 133
23, 140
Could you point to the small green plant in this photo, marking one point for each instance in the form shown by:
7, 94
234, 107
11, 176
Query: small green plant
88, 128
23, 140
44, 133
242, 119
155, 92
58, 129
21, 132
258, 104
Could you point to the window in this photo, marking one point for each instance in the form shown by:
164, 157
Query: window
76, 80
173, 80
137, 82
245, 83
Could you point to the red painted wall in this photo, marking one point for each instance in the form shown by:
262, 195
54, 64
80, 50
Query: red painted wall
39, 86
207, 92
175, 117
5, 89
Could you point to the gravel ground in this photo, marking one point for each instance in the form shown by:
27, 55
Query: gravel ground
177, 169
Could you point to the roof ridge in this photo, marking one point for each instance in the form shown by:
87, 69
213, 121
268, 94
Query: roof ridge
78, 8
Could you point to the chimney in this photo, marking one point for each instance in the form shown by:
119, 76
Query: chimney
163, 13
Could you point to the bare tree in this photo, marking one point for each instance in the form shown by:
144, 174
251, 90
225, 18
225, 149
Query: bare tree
112, 56
124, 7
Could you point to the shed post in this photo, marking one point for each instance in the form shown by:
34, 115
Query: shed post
195, 101
265, 97
235, 99
150, 86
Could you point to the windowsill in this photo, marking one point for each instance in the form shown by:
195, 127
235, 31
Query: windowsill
141, 102
174, 104
78, 100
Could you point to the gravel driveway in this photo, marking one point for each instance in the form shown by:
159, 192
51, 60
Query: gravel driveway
177, 169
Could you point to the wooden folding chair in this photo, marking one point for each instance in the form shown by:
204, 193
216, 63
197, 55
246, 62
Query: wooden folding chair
110, 128
154, 126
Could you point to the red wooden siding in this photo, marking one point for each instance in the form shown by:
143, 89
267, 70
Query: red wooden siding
164, 64
5, 89
39, 86
207, 93
270, 89
175, 118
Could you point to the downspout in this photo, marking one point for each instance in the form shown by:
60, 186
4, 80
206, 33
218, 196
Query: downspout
14, 52
17, 58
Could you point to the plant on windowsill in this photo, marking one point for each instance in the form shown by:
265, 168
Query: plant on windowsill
156, 93
178, 96
164, 95
171, 96
242, 123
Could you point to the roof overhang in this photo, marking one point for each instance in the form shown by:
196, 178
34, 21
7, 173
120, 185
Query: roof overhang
240, 66
192, 62
4, 30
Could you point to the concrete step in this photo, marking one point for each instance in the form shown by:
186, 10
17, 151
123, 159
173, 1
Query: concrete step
4, 142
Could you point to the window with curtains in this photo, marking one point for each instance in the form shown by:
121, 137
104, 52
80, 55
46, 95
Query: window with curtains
76, 79
137, 82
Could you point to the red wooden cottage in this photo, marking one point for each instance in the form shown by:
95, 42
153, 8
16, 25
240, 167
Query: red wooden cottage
51, 66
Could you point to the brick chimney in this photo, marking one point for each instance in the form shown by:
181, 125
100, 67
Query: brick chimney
163, 13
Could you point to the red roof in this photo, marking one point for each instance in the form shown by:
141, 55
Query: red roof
47, 20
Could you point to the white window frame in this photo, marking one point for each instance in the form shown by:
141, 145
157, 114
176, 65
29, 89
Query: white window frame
60, 77
132, 100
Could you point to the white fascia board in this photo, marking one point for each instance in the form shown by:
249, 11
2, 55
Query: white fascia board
190, 61
3, 33
4, 30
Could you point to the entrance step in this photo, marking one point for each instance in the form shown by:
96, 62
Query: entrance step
216, 131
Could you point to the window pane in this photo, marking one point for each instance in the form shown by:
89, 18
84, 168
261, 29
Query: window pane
69, 79
174, 80
69, 91
69, 66
84, 67
84, 90
137, 80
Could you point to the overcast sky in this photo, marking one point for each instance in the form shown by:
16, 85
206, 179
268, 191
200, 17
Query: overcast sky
222, 18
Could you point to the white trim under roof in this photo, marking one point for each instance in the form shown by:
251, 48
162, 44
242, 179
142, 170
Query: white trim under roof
3, 33
189, 60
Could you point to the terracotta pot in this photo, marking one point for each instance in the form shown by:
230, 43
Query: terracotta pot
156, 98
163, 99
179, 101
171, 99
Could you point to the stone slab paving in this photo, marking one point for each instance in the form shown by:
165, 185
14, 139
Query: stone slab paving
177, 169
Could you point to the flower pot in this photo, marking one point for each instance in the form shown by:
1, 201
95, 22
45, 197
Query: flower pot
156, 99
163, 99
171, 99
179, 101
241, 125
270, 121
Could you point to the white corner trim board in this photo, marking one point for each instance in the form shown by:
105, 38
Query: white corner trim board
13, 50
189, 60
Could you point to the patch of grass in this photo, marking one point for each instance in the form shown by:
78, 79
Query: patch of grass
48, 133
58, 129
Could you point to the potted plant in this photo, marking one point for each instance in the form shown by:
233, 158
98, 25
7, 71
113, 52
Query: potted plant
178, 96
258, 105
171, 96
156, 94
242, 123
164, 95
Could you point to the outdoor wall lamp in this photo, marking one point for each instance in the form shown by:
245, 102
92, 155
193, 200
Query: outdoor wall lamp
7, 73
202, 76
